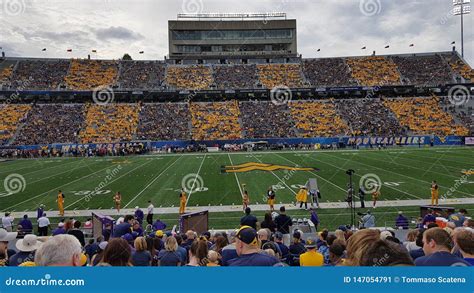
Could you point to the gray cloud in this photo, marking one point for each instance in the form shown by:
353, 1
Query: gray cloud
118, 33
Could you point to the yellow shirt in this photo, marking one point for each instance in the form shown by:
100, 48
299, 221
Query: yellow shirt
311, 258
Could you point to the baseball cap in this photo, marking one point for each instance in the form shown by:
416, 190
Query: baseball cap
247, 235
310, 243
128, 237
159, 233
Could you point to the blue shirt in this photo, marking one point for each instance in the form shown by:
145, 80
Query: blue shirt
249, 220
458, 219
368, 221
254, 260
159, 225
429, 218
141, 258
441, 258
183, 253
228, 253
139, 215
20, 258
58, 231
26, 225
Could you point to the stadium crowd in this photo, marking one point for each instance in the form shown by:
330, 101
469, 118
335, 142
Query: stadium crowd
328, 72
214, 121
10, 117
423, 70
168, 121
276, 75
317, 119
141, 75
459, 66
374, 71
91, 74
40, 75
424, 116
270, 242
195, 77
266, 120
367, 117
235, 76
51, 123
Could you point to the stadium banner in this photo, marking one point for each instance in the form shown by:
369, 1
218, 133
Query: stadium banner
361, 141
241, 279
469, 140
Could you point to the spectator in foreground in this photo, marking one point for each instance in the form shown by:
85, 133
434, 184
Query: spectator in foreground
464, 239
283, 223
311, 258
357, 245
117, 253
141, 257
123, 228
77, 233
385, 253
229, 252
401, 222
368, 221
336, 253
139, 215
268, 223
198, 252
468, 223
43, 225
248, 250
458, 218
169, 257
5, 253
60, 250
437, 247
26, 250
159, 225
249, 219
26, 225
59, 230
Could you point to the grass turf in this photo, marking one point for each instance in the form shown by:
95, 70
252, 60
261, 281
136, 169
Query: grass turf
405, 173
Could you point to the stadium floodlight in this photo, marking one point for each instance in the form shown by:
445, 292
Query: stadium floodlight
461, 7
242, 16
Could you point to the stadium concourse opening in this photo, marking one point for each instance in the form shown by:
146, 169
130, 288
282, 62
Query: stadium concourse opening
233, 131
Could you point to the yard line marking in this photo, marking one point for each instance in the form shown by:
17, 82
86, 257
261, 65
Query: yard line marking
56, 188
236, 178
413, 178
80, 199
146, 187
278, 178
195, 178
315, 174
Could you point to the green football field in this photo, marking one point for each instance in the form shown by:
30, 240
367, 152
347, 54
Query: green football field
89, 183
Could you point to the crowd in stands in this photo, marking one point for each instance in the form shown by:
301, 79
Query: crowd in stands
368, 117
10, 117
40, 75
464, 112
460, 67
195, 77
276, 75
5, 76
424, 116
266, 120
141, 75
51, 123
317, 119
216, 121
235, 76
91, 74
374, 71
271, 242
423, 70
168, 121
110, 123
328, 72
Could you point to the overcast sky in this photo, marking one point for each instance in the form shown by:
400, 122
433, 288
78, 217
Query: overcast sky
337, 27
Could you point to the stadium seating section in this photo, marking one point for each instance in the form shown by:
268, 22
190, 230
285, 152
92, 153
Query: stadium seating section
317, 119
5, 75
40, 75
424, 70
368, 117
276, 75
374, 71
328, 72
91, 74
10, 117
164, 122
424, 116
141, 75
196, 77
52, 123
214, 121
266, 120
459, 67
235, 76
110, 123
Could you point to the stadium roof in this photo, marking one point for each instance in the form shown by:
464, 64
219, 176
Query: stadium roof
242, 16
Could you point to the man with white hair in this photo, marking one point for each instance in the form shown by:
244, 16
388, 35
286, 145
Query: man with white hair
60, 250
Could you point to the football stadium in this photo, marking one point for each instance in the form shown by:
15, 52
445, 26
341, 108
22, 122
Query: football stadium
236, 149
